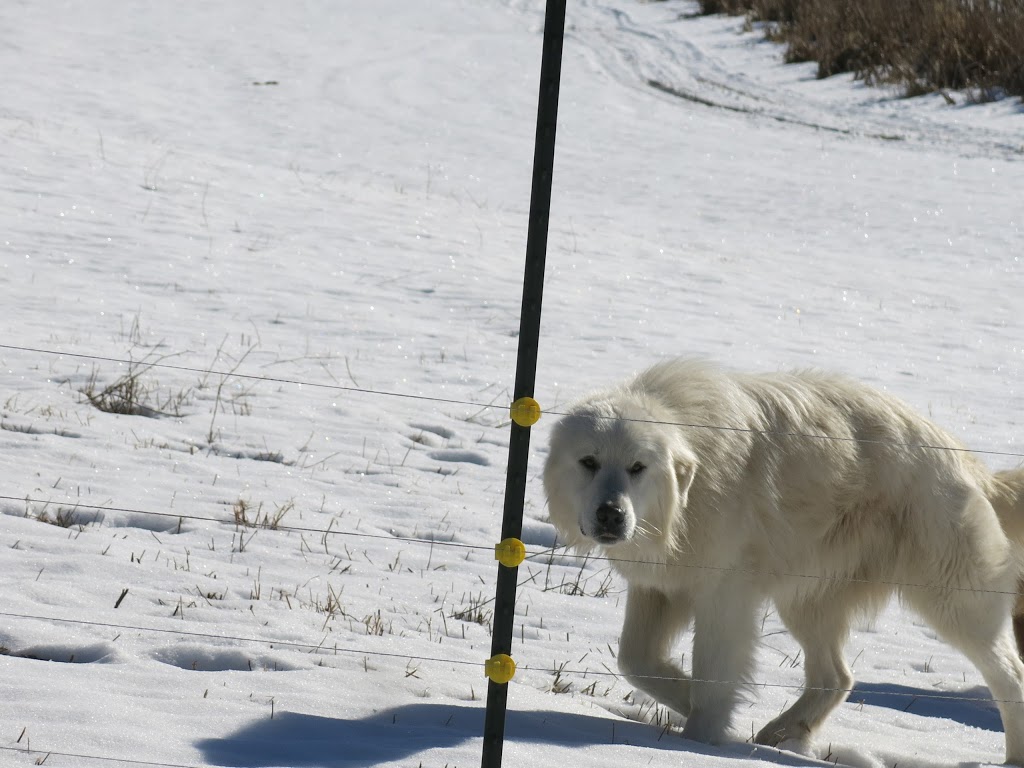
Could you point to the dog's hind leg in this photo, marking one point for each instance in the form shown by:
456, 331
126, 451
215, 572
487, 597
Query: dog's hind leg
969, 606
821, 627
975, 622
652, 624
1003, 671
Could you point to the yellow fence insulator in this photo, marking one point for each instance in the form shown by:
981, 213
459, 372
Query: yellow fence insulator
525, 411
510, 552
500, 669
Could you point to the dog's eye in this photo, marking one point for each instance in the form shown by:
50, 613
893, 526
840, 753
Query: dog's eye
636, 469
590, 463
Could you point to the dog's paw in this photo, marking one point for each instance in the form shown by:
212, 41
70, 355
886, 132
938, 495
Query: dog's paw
793, 737
705, 727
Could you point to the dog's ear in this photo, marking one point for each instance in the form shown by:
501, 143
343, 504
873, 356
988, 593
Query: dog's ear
685, 463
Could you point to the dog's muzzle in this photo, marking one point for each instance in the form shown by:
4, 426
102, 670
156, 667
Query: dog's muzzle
610, 524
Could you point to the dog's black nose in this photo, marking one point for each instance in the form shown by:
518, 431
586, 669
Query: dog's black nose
610, 515
610, 521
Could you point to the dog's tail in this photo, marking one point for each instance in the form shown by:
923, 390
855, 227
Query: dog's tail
1006, 495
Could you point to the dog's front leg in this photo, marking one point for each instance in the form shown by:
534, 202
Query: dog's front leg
724, 634
652, 624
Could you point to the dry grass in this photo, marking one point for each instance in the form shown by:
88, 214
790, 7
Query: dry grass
248, 516
921, 46
131, 395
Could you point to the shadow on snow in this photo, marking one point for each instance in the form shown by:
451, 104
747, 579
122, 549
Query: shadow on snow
973, 707
309, 741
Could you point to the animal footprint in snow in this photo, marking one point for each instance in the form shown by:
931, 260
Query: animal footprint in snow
460, 455
431, 435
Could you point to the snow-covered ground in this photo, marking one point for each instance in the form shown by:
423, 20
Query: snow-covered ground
291, 208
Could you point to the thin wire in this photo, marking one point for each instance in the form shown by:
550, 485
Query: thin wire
754, 684
784, 574
50, 753
475, 404
257, 526
320, 648
805, 435
252, 377
550, 552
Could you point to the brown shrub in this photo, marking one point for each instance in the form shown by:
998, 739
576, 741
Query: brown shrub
918, 45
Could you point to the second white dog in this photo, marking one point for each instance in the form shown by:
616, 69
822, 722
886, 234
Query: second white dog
712, 492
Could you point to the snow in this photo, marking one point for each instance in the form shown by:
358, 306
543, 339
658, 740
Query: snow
291, 208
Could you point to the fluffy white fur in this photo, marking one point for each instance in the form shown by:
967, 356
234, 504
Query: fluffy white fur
812, 491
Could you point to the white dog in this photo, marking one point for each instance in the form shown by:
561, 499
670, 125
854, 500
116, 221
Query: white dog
714, 491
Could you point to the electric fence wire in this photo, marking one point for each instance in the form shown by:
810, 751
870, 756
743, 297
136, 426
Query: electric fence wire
494, 406
563, 669
551, 552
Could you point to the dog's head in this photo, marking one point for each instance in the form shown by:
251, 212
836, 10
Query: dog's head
615, 474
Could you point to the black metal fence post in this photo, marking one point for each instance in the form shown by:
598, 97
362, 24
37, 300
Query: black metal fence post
526, 364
